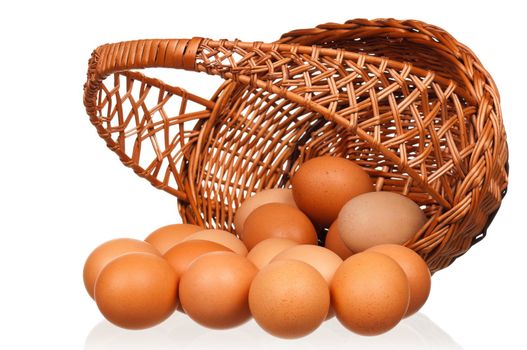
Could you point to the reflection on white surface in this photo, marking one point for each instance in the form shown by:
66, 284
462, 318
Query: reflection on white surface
179, 332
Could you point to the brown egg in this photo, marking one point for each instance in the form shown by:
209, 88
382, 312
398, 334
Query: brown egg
137, 290
168, 236
416, 271
335, 243
274, 195
214, 289
224, 238
322, 186
377, 218
370, 293
108, 251
323, 260
277, 220
183, 254
266, 250
289, 298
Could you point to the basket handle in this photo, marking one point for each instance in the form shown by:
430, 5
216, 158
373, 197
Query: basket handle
125, 56
168, 53
112, 58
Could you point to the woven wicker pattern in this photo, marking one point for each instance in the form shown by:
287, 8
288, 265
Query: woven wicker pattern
403, 99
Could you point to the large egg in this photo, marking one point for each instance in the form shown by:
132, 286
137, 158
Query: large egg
289, 298
266, 250
416, 271
323, 260
137, 290
273, 195
183, 254
277, 220
335, 243
322, 185
224, 238
108, 251
168, 236
377, 218
370, 293
214, 289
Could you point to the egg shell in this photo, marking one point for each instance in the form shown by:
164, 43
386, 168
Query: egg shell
289, 299
266, 250
224, 238
322, 185
323, 260
416, 271
183, 254
335, 243
137, 290
168, 236
273, 195
370, 293
214, 289
378, 218
277, 220
108, 251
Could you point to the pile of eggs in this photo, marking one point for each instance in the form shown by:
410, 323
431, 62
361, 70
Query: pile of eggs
273, 268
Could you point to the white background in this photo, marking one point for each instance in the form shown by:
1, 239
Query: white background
63, 192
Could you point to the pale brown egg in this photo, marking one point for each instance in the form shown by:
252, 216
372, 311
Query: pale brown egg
377, 218
224, 238
273, 195
416, 271
168, 236
214, 289
370, 293
277, 220
323, 260
108, 251
266, 250
137, 290
289, 299
335, 243
322, 186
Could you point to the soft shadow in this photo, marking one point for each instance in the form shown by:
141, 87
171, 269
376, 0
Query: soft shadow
179, 332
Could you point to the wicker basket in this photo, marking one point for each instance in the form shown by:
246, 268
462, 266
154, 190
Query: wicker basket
403, 99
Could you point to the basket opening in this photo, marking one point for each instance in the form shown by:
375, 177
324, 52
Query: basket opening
259, 140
